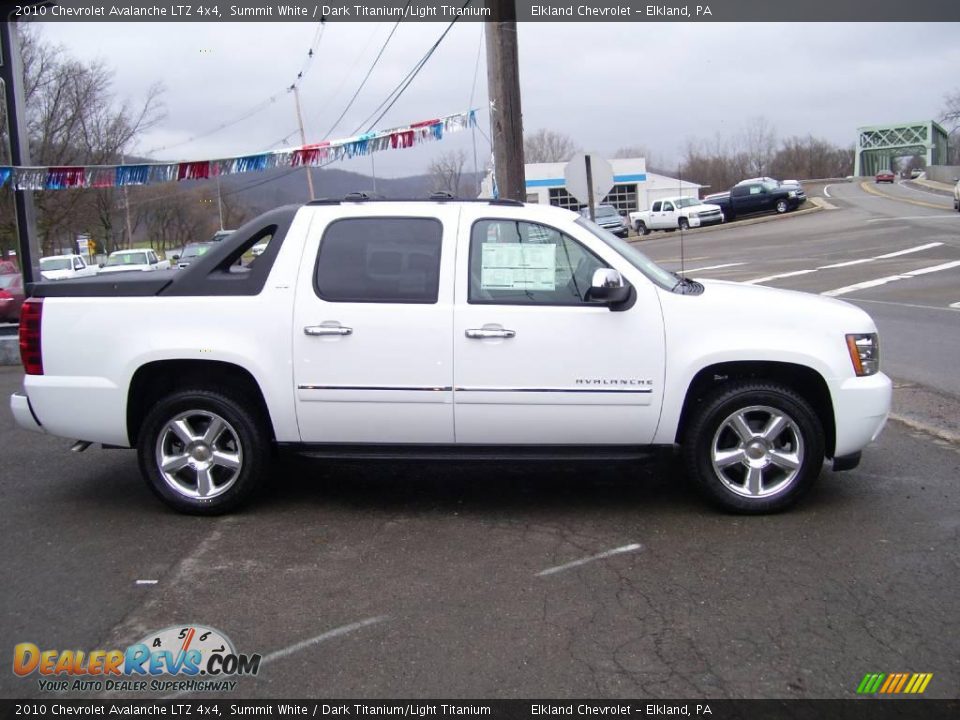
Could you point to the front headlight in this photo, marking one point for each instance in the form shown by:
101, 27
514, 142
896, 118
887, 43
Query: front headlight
864, 351
791, 193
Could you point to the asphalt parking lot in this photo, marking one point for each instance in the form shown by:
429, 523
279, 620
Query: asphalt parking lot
445, 562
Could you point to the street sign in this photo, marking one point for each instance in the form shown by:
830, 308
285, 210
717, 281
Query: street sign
83, 245
575, 176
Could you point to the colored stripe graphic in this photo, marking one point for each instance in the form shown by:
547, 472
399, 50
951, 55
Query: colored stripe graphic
894, 683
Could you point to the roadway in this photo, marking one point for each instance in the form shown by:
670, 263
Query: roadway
896, 255
404, 579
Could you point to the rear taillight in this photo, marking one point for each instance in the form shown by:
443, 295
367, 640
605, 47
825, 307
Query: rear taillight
30, 319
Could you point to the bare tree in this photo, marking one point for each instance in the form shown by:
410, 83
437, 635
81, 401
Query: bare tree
446, 171
950, 117
548, 146
73, 119
759, 143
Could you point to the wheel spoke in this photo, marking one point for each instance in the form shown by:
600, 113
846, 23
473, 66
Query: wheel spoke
181, 428
774, 427
787, 461
204, 482
173, 463
726, 458
754, 480
213, 431
741, 428
225, 459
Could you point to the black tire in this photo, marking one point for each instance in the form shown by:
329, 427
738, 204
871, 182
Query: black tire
710, 442
782, 206
243, 441
683, 223
642, 229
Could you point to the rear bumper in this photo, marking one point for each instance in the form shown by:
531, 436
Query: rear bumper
23, 413
861, 406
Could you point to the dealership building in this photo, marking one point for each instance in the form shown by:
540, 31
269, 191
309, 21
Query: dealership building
633, 187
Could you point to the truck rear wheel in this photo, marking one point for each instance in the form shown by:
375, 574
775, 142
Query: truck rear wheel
754, 447
202, 452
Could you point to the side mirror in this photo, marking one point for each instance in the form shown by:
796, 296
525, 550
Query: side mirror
174, 257
101, 265
608, 287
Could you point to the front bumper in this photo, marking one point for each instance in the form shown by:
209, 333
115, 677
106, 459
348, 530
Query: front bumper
860, 406
23, 413
706, 221
618, 230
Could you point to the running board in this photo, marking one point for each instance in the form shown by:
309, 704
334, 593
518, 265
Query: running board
478, 452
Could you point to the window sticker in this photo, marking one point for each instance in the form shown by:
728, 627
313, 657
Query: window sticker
518, 266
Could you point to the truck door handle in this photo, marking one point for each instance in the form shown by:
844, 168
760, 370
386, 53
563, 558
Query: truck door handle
484, 333
315, 330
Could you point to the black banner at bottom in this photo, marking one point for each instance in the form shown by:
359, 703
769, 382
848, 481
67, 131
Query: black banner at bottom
854, 709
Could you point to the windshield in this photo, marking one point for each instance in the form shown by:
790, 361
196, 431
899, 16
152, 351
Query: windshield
8, 280
641, 262
127, 259
770, 185
55, 263
686, 202
606, 211
192, 251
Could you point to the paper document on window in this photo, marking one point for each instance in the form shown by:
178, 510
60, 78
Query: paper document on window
518, 266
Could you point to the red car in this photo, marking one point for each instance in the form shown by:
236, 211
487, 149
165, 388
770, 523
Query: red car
885, 176
11, 297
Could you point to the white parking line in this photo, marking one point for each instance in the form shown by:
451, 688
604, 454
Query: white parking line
846, 263
949, 308
336, 632
715, 267
147, 582
912, 217
954, 306
890, 278
584, 561
826, 190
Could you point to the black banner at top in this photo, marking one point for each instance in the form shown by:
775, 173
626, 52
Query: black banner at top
636, 11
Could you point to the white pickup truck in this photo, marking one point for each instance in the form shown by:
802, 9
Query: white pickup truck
133, 260
449, 328
65, 267
679, 213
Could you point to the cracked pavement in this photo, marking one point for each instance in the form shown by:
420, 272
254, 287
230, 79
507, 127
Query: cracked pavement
861, 577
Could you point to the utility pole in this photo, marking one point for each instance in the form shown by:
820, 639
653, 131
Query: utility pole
506, 118
12, 74
303, 139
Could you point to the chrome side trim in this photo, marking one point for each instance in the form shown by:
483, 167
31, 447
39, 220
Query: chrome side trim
642, 391
374, 387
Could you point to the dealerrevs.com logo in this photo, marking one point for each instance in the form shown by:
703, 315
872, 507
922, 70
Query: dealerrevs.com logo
187, 658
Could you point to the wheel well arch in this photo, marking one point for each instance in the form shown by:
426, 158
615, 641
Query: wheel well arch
803, 380
154, 380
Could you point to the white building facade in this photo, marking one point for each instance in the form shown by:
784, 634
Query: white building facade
633, 187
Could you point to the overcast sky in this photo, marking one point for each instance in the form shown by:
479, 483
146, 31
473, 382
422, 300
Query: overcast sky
607, 85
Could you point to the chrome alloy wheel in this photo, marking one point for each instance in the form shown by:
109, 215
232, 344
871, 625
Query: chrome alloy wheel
198, 454
757, 451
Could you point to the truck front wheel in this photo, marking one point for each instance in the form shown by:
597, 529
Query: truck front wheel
782, 206
642, 229
202, 452
754, 447
683, 223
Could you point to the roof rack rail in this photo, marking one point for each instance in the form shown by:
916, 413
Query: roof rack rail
435, 197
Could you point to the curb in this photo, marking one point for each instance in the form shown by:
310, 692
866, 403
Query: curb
735, 224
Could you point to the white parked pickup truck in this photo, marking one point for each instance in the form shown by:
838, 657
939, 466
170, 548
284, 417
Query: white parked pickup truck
465, 328
130, 260
679, 213
65, 267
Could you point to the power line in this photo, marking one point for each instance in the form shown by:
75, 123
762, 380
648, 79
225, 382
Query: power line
366, 77
405, 83
259, 107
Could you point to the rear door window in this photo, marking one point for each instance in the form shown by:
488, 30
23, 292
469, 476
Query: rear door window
380, 260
